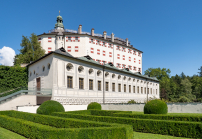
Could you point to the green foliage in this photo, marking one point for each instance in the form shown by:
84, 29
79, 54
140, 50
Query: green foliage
132, 102
166, 127
31, 50
183, 99
52, 127
155, 107
158, 73
94, 105
10, 92
12, 77
49, 107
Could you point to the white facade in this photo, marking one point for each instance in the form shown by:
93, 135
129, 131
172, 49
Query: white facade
64, 59
99, 47
56, 79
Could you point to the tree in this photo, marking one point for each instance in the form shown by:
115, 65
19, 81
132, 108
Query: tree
182, 75
158, 72
187, 90
200, 73
31, 50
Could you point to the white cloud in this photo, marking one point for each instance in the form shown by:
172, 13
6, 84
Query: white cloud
7, 55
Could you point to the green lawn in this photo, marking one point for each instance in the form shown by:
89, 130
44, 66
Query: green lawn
7, 134
139, 135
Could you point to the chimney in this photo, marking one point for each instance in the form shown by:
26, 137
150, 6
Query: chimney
112, 37
80, 29
105, 35
126, 41
92, 31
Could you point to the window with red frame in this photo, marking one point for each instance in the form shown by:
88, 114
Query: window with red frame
123, 57
68, 48
139, 61
129, 58
98, 51
110, 54
49, 39
118, 56
134, 60
76, 49
103, 53
92, 50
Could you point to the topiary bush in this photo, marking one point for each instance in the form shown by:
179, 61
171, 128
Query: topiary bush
94, 105
155, 107
49, 107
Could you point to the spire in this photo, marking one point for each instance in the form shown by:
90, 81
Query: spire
59, 21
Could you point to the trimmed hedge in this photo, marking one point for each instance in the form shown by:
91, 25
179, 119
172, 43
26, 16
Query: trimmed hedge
85, 112
54, 127
148, 116
165, 127
50, 106
94, 105
155, 106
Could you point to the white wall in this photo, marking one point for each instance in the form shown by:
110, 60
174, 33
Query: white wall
21, 100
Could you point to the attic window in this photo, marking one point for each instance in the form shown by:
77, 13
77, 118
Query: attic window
127, 69
111, 64
88, 57
62, 49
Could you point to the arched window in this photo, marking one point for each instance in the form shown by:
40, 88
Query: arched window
113, 75
119, 77
106, 74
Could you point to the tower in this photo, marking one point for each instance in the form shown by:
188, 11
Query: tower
59, 27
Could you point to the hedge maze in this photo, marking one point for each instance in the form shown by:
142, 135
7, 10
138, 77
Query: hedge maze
98, 124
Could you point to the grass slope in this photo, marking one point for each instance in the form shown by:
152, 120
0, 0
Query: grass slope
7, 134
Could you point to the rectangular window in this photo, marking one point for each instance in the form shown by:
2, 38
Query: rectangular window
129, 88
133, 89
90, 84
68, 48
76, 49
76, 38
118, 56
119, 87
80, 83
98, 51
124, 87
103, 53
129, 58
151, 90
106, 86
145, 90
110, 54
113, 87
69, 82
49, 39
123, 57
138, 89
156, 91
99, 85
92, 50
141, 90
134, 60
69, 38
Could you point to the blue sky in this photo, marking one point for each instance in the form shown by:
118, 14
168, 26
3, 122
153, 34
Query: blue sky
169, 32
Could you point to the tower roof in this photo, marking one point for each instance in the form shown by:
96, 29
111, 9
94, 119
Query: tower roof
59, 21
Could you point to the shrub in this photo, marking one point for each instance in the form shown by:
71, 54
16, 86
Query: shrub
132, 102
155, 107
49, 107
183, 99
94, 105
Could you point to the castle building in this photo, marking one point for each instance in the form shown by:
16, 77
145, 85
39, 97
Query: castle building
81, 67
